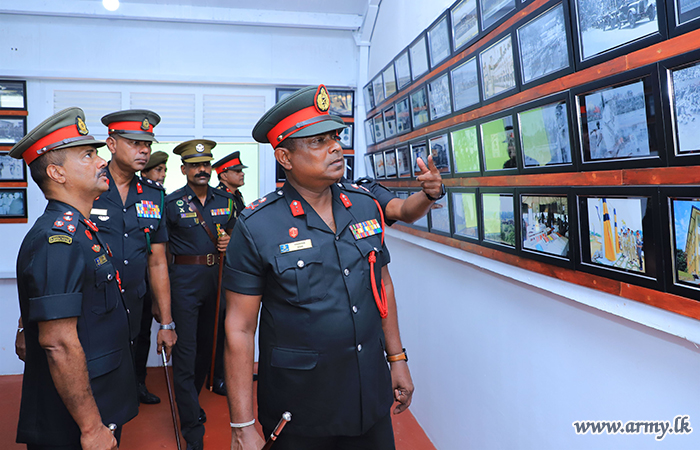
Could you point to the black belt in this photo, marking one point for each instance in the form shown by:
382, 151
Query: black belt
206, 260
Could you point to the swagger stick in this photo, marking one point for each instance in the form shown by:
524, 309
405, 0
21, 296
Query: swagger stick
170, 397
286, 417
222, 255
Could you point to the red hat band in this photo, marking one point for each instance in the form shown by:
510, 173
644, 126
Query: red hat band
293, 123
62, 136
129, 127
223, 167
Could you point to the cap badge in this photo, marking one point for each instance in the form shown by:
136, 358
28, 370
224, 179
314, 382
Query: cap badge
145, 124
199, 148
322, 101
82, 128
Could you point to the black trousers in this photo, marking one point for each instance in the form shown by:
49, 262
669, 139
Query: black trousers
379, 437
220, 339
142, 343
193, 293
77, 446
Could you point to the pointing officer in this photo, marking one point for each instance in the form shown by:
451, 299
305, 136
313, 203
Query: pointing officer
312, 254
199, 220
130, 214
78, 376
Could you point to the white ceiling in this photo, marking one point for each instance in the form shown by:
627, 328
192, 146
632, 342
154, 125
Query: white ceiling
357, 7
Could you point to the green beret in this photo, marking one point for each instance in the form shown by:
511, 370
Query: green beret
136, 124
155, 159
195, 150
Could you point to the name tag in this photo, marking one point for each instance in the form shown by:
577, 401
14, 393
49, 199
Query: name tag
188, 215
100, 260
294, 246
98, 212
365, 229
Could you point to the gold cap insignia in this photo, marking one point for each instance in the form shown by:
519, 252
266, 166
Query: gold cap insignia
82, 128
322, 101
145, 124
199, 148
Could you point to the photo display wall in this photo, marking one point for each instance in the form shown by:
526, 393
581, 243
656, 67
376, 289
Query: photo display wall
563, 130
13, 172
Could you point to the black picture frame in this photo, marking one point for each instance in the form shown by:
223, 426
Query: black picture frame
615, 137
498, 219
439, 97
617, 254
390, 166
378, 89
548, 225
282, 93
390, 122
389, 78
13, 95
403, 116
683, 16
419, 108
422, 222
466, 85
494, 12
12, 129
439, 217
418, 149
465, 149
681, 208
439, 149
542, 50
603, 31
342, 102
347, 136
439, 45
379, 167
464, 18
11, 169
403, 162
368, 93
465, 214
379, 128
499, 144
402, 67
418, 50
349, 167
13, 203
369, 165
498, 69
369, 131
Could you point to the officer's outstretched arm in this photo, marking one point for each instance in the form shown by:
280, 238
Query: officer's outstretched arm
66, 358
160, 286
418, 204
239, 353
400, 375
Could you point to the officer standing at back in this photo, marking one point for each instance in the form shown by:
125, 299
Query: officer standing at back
199, 220
78, 376
232, 178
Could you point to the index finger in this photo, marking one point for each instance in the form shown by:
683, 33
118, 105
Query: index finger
431, 165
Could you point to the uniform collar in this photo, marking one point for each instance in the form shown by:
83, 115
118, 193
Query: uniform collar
190, 193
113, 193
62, 208
340, 213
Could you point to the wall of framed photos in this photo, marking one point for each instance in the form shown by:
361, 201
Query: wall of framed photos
565, 132
13, 172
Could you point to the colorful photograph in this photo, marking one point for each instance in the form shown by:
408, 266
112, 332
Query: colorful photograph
403, 161
403, 116
403, 71
685, 215
465, 85
465, 148
440, 216
465, 220
390, 122
439, 95
342, 103
497, 69
419, 58
379, 170
390, 163
685, 89
543, 45
544, 135
465, 25
419, 151
439, 41
389, 82
545, 224
439, 151
419, 107
499, 218
498, 144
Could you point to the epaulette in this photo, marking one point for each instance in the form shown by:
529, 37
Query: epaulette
222, 193
354, 187
66, 222
363, 180
262, 202
176, 195
150, 183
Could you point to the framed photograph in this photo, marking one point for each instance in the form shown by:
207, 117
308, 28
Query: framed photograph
497, 69
494, 11
12, 129
349, 167
13, 203
369, 165
419, 58
369, 131
543, 46
418, 150
403, 162
545, 134
422, 223
545, 224
378, 89
683, 206
419, 107
282, 93
346, 136
402, 66
465, 219
390, 122
439, 42
379, 167
390, 163
403, 116
465, 23
465, 150
379, 128
498, 144
465, 85
439, 97
618, 234
439, 150
12, 169
389, 81
683, 16
620, 121
367, 91
602, 29
440, 217
13, 94
342, 102
498, 218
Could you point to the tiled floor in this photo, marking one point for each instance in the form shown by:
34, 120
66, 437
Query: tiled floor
153, 427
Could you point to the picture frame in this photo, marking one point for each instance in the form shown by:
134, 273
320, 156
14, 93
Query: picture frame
494, 12
439, 97
12, 129
628, 252
282, 93
619, 121
497, 69
11, 169
682, 208
419, 108
499, 151
390, 163
543, 46
464, 19
342, 102
421, 223
13, 203
379, 167
347, 136
419, 149
419, 57
403, 162
439, 41
498, 226
369, 131
368, 93
439, 213
403, 116
13, 95
465, 150
465, 85
440, 151
378, 89
390, 122
349, 167
402, 66
379, 128
369, 165
464, 207
547, 231
389, 78
682, 16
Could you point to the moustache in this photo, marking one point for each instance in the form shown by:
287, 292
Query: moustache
203, 174
102, 172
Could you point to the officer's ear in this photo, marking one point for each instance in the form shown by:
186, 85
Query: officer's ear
282, 155
56, 173
182, 169
111, 142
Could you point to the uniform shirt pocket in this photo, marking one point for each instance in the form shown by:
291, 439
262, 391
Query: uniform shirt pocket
106, 290
291, 358
104, 364
302, 275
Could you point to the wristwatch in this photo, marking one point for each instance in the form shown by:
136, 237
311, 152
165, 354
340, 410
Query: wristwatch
403, 356
169, 326
443, 192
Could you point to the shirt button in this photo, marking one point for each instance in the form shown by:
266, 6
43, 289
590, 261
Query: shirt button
337, 237
127, 311
109, 277
359, 347
126, 235
300, 263
123, 290
126, 262
346, 272
124, 209
354, 309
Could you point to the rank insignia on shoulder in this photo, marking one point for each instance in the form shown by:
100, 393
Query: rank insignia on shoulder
68, 213
71, 228
346, 201
62, 238
139, 189
365, 229
67, 218
58, 223
100, 260
147, 209
294, 246
297, 209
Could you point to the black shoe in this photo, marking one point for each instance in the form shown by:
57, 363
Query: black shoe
145, 396
219, 387
202, 416
199, 445
255, 377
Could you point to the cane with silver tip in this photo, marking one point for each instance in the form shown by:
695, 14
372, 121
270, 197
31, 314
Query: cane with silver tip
286, 417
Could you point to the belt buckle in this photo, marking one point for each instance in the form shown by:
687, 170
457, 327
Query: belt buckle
211, 259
